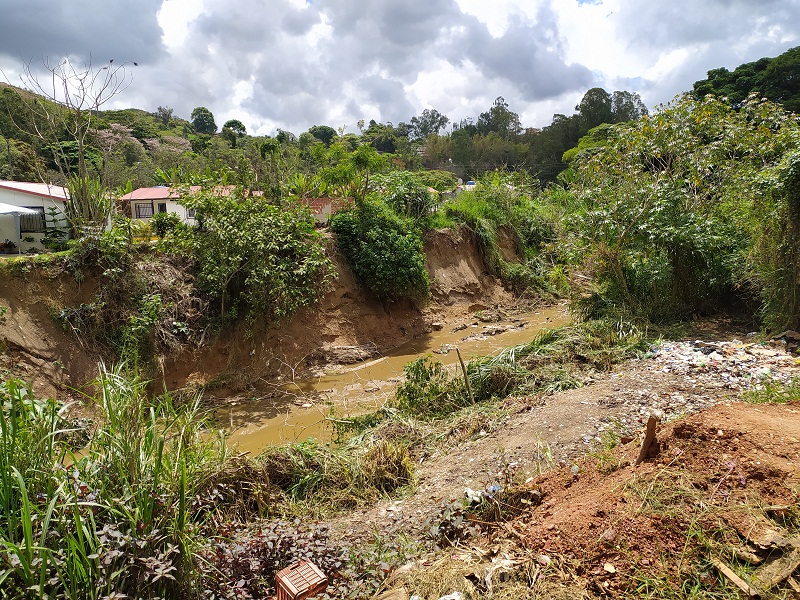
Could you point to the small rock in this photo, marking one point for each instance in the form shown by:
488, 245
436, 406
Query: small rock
609, 568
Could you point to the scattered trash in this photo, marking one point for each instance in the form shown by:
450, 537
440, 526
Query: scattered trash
738, 365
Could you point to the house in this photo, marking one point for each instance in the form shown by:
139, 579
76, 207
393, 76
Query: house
145, 202
42, 207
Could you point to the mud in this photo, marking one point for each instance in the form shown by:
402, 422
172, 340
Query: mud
298, 409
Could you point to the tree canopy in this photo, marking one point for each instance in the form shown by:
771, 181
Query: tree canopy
778, 79
203, 121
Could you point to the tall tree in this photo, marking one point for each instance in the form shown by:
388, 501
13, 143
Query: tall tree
232, 130
500, 120
594, 108
324, 133
627, 106
64, 118
164, 114
203, 121
430, 121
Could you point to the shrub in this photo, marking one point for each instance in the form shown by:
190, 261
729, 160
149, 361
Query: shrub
254, 256
164, 223
384, 250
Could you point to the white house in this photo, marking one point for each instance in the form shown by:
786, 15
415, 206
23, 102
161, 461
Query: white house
145, 202
39, 207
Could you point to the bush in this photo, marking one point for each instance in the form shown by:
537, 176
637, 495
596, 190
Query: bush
255, 257
164, 223
383, 249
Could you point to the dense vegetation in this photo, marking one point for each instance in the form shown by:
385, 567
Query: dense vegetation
776, 78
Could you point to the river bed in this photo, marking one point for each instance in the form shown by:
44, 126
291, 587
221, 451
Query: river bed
296, 410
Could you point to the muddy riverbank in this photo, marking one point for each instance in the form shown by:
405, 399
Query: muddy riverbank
297, 408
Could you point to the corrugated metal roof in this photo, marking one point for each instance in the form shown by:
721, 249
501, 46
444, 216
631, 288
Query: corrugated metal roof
44, 190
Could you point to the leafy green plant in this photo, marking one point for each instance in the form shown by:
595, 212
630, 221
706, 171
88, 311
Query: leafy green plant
164, 223
689, 207
255, 257
429, 390
119, 517
774, 392
384, 250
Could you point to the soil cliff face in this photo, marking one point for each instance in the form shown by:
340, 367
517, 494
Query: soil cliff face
33, 347
347, 324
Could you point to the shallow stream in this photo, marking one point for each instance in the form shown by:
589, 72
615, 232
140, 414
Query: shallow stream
299, 409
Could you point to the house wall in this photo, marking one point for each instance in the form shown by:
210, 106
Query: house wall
8, 230
171, 207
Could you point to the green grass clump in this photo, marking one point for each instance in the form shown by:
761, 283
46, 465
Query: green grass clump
774, 392
115, 516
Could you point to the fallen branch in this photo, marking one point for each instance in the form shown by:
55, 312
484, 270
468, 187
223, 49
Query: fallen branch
734, 578
776, 572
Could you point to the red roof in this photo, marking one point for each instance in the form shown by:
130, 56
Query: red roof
43, 190
163, 192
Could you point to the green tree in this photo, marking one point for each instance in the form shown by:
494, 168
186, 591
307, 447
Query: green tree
164, 115
203, 121
776, 78
693, 205
406, 193
500, 120
383, 249
428, 122
256, 257
323, 133
233, 130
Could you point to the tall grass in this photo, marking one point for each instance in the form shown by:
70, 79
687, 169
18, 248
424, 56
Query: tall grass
113, 517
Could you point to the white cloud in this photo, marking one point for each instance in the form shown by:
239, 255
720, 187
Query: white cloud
296, 63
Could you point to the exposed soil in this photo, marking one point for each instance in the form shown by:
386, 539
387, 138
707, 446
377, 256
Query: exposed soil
33, 346
605, 525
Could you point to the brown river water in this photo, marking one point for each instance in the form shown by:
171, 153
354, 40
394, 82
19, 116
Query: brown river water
301, 409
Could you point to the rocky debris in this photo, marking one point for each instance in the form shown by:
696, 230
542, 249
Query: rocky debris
491, 330
346, 355
491, 315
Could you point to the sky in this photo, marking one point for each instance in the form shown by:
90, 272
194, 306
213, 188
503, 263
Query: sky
292, 64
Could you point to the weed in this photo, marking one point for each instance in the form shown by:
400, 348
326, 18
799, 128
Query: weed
773, 392
607, 461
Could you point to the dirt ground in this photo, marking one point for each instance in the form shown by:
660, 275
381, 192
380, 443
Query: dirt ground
594, 523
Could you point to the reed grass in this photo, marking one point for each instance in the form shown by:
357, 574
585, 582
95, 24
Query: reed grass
114, 517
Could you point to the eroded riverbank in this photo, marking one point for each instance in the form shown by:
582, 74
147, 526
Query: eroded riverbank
297, 409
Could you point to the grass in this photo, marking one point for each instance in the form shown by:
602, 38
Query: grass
773, 392
119, 518
689, 511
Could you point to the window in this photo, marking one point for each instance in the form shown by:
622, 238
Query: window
190, 213
33, 223
162, 207
144, 211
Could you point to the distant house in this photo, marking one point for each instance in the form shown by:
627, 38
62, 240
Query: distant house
42, 207
145, 202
